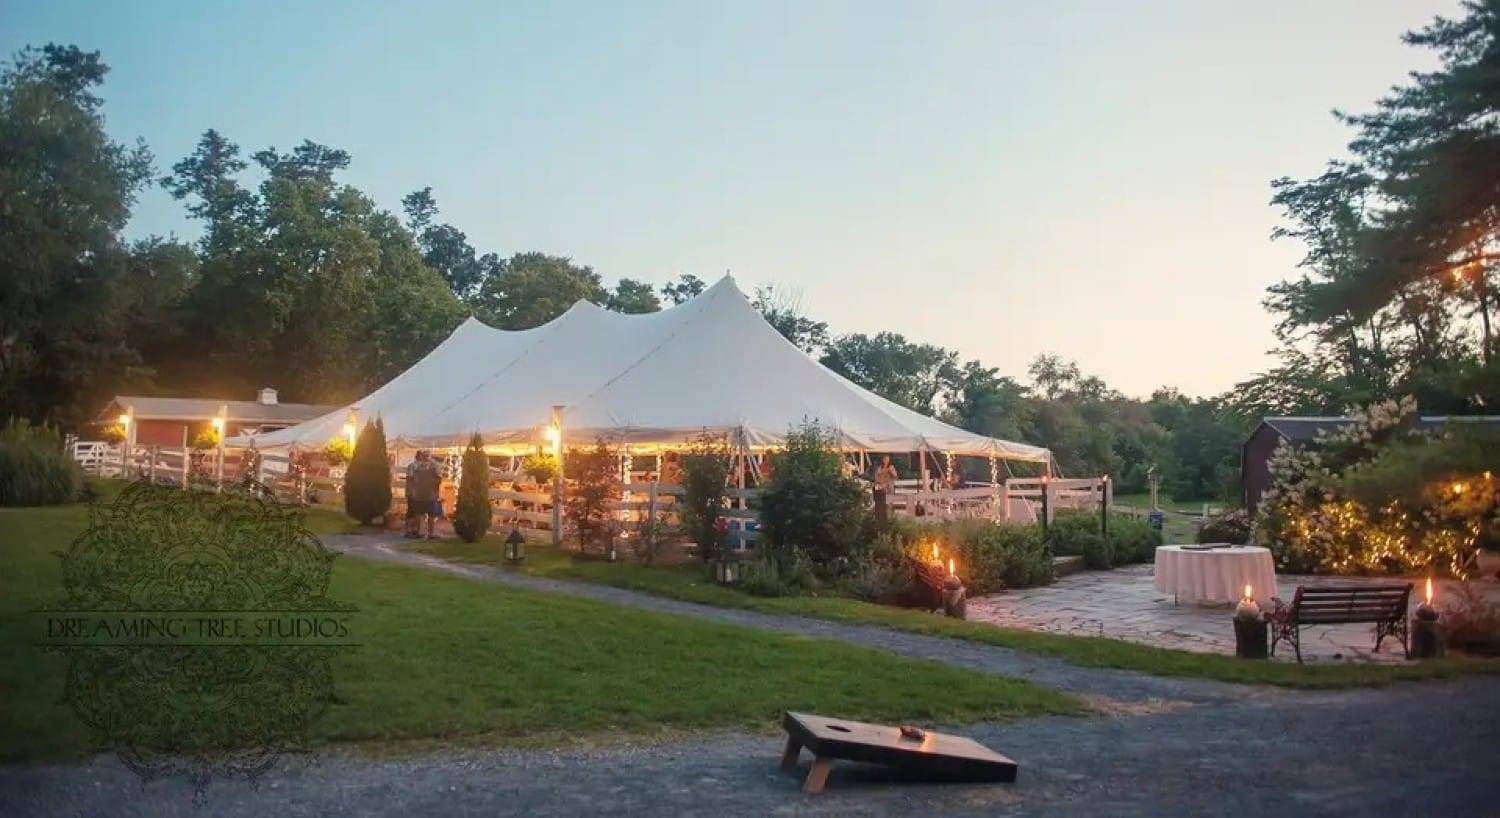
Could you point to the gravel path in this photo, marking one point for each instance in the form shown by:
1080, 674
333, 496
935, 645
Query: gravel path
1169, 748
1425, 749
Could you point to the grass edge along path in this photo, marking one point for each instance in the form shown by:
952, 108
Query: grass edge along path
447, 660
689, 584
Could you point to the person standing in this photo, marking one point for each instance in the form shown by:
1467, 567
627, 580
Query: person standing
885, 485
422, 484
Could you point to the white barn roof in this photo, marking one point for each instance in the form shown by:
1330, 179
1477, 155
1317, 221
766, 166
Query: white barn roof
710, 365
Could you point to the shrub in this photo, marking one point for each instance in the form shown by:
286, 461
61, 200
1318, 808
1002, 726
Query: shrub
541, 468
810, 505
1076, 533
790, 574
1134, 539
472, 516
1231, 526
989, 556
34, 468
367, 486
705, 476
595, 485
1097, 551
1470, 621
338, 451
1380, 496
205, 440
113, 433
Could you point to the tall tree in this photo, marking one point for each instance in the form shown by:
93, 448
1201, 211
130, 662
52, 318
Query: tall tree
303, 282
531, 289
66, 190
782, 309
684, 289
912, 374
631, 296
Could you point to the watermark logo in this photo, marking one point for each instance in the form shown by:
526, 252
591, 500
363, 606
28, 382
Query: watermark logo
198, 629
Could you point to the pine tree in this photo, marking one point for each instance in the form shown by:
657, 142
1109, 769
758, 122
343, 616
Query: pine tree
367, 486
472, 518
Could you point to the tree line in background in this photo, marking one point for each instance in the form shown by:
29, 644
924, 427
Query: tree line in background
301, 280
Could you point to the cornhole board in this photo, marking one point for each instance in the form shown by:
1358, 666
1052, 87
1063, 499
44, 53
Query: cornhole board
935, 754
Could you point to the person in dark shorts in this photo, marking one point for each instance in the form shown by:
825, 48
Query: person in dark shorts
422, 484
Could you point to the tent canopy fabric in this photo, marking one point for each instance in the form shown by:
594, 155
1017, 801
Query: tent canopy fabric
712, 365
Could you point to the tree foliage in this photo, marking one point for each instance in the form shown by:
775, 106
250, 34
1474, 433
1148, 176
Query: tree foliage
68, 288
810, 505
1397, 294
367, 483
705, 479
472, 513
594, 478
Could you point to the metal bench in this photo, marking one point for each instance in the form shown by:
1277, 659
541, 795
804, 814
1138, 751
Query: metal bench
1382, 605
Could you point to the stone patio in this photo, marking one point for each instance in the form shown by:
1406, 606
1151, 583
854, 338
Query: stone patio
1122, 604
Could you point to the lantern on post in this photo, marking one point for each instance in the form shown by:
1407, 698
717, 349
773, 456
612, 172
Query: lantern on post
515, 546
1250, 627
727, 570
1426, 636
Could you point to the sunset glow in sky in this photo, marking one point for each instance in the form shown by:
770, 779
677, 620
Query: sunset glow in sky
1006, 179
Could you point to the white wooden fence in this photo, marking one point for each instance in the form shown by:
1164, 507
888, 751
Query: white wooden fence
1020, 500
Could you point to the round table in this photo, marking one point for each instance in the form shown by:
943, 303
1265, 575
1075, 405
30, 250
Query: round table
1215, 575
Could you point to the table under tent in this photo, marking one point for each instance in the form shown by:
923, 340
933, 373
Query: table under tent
651, 384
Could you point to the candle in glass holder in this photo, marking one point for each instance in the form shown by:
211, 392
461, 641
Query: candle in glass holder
1247, 609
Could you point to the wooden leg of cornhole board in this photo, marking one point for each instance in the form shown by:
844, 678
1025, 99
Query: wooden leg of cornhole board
817, 776
789, 758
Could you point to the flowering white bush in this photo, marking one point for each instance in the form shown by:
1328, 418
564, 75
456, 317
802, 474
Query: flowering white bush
1312, 524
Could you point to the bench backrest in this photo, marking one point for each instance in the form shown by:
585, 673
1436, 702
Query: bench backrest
1339, 604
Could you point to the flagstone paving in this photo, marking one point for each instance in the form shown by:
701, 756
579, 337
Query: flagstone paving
1123, 604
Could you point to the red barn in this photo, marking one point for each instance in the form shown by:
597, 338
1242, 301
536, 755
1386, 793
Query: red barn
163, 421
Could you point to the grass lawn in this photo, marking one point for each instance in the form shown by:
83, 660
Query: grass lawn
447, 660
689, 583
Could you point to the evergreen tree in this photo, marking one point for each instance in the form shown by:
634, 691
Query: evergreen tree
472, 517
367, 486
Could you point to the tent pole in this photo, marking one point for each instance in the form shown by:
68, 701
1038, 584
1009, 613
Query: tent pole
557, 483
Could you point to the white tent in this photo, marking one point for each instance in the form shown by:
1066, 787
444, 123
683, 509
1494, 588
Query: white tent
711, 365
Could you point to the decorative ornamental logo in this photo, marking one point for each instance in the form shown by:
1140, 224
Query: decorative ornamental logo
199, 632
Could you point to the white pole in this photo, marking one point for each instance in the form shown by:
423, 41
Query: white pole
557, 484
186, 457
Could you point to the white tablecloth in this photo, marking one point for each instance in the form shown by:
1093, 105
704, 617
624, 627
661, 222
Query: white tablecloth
1219, 575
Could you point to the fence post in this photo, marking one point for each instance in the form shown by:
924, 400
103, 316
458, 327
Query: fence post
151, 467
187, 457
1046, 504
1104, 505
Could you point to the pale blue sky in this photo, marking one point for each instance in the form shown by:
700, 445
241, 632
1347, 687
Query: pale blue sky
1006, 179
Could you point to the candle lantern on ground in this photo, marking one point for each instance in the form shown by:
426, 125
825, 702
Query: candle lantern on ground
955, 603
1249, 628
1426, 634
515, 546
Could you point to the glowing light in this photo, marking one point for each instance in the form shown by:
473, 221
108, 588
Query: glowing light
125, 420
1429, 591
1249, 595
218, 424
935, 556
554, 438
951, 572
1458, 488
